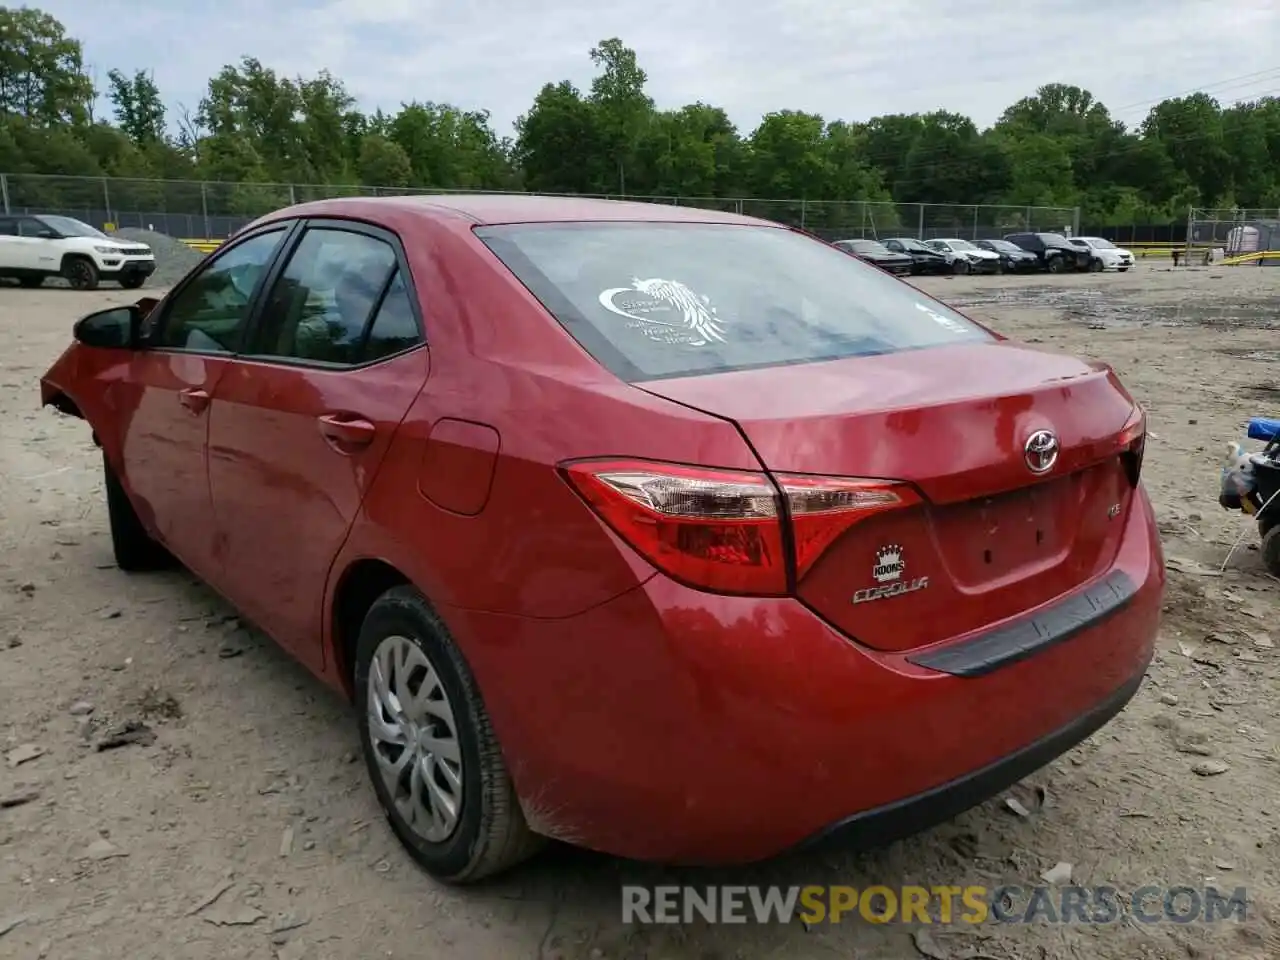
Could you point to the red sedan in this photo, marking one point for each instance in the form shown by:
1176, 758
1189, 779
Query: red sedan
679, 535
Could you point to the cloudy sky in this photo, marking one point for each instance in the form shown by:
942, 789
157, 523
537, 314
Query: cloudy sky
850, 60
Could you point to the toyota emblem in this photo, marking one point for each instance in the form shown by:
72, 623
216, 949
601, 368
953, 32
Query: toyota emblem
1041, 451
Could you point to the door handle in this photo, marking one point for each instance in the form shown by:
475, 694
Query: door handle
194, 399
347, 431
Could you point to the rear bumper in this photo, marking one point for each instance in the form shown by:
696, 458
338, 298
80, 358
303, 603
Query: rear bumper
903, 818
684, 727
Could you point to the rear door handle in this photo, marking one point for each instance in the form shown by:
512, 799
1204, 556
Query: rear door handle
194, 399
347, 431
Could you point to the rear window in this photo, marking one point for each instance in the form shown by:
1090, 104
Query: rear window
657, 300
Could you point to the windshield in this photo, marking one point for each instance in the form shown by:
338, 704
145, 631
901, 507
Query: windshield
656, 300
961, 245
1004, 246
1099, 243
910, 244
70, 227
1056, 239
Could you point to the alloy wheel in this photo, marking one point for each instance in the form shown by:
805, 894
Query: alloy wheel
80, 275
414, 735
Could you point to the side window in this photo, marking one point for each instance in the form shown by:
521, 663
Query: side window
319, 308
30, 227
395, 327
210, 313
8, 227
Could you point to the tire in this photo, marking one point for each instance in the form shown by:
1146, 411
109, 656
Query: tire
134, 548
1123, 269
1271, 551
488, 833
132, 281
1057, 265
961, 267
1095, 266
80, 273
31, 282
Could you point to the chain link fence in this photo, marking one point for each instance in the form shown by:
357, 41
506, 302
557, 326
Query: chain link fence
1236, 231
210, 210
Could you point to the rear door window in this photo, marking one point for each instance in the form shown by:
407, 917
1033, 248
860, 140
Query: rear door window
657, 300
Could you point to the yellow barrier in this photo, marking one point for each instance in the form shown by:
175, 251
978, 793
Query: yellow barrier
1249, 258
204, 246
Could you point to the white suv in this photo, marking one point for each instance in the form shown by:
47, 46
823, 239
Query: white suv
36, 247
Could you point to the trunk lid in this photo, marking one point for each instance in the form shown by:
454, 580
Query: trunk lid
991, 538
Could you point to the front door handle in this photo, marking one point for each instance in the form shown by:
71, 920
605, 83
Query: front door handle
194, 399
347, 431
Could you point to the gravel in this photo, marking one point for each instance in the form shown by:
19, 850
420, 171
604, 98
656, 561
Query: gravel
174, 259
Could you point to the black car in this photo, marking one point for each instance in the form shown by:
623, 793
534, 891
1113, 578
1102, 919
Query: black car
1055, 252
876, 253
1013, 259
923, 259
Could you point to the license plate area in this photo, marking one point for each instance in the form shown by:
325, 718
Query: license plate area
991, 538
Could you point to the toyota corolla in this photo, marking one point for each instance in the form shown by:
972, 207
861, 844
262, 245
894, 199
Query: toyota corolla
678, 535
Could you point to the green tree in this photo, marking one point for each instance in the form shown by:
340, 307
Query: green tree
624, 109
42, 76
274, 139
138, 109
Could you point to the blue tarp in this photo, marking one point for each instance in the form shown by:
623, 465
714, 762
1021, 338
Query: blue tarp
1264, 428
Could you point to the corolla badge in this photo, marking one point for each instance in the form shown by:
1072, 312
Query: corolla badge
887, 570
1041, 451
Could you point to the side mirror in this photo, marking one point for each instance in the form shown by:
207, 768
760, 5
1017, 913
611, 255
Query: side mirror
113, 329
46, 234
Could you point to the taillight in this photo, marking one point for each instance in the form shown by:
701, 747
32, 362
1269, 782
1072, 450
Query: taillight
728, 531
822, 508
1133, 445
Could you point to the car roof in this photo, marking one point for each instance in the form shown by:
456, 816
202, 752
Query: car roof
495, 208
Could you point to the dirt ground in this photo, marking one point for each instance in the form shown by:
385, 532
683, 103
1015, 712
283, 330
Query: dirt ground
246, 829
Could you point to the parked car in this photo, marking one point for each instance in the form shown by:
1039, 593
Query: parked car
1104, 255
967, 258
572, 498
1013, 259
878, 255
35, 247
1055, 252
926, 260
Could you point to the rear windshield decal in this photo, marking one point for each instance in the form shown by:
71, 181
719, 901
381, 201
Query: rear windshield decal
949, 323
666, 311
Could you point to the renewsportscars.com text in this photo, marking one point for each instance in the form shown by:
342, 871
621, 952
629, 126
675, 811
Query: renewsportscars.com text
943, 904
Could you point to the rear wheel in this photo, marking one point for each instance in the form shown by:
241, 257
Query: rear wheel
1057, 265
430, 749
134, 548
31, 282
1271, 551
80, 273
